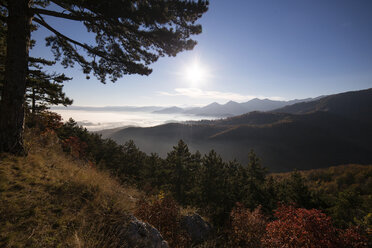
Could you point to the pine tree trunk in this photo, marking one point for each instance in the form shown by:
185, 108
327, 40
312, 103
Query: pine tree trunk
33, 106
13, 95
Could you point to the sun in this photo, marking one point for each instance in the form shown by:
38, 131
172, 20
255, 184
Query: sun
195, 73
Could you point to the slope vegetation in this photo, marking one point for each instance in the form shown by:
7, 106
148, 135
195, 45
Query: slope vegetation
49, 200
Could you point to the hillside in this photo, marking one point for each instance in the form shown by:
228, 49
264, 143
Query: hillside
354, 105
337, 179
329, 131
47, 199
63, 194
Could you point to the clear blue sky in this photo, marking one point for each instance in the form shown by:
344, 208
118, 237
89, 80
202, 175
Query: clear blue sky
249, 48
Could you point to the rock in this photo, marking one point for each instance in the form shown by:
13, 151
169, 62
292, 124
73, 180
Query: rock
196, 227
141, 234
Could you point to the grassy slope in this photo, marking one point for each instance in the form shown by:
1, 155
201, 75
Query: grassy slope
49, 200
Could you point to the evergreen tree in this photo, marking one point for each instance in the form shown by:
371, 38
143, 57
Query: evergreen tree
129, 35
194, 179
234, 189
132, 163
271, 195
253, 182
2, 55
179, 160
294, 190
44, 89
214, 188
347, 209
154, 173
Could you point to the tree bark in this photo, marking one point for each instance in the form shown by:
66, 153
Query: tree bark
13, 95
33, 106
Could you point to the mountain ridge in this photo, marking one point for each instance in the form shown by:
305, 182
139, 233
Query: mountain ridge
232, 108
317, 136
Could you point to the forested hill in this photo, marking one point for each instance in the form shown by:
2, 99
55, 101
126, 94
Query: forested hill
355, 105
75, 189
330, 131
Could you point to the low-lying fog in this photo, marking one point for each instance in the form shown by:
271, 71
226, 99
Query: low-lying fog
99, 120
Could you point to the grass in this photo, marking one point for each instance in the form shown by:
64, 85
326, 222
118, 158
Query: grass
49, 200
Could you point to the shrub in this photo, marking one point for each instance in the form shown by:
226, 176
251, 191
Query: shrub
164, 214
352, 237
44, 121
246, 227
299, 227
75, 146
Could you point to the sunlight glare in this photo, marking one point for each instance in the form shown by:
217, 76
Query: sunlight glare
195, 73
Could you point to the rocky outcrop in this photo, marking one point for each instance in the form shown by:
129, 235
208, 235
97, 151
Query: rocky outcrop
143, 235
198, 229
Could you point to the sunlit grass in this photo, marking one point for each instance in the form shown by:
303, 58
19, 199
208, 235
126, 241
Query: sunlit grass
49, 200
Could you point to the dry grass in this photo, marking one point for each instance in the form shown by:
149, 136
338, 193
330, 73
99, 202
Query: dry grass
49, 200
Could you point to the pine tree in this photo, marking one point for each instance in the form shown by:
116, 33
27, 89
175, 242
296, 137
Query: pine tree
2, 54
44, 89
214, 188
179, 159
133, 162
129, 35
154, 172
294, 190
253, 182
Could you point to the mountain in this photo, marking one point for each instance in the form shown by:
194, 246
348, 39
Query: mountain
232, 108
170, 110
111, 108
355, 105
329, 131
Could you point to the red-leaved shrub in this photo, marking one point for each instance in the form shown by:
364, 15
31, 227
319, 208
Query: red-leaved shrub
299, 227
353, 238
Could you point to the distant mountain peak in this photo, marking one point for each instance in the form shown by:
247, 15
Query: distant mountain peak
231, 103
213, 104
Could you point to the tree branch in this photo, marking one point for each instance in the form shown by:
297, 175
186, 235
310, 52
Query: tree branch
47, 26
56, 2
58, 34
62, 15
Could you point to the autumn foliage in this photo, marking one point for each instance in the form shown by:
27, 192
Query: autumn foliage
164, 214
75, 146
299, 227
246, 227
352, 237
45, 121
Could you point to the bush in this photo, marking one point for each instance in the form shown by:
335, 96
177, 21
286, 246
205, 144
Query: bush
164, 214
352, 237
44, 121
299, 227
75, 147
246, 227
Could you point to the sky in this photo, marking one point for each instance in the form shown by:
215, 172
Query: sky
282, 50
